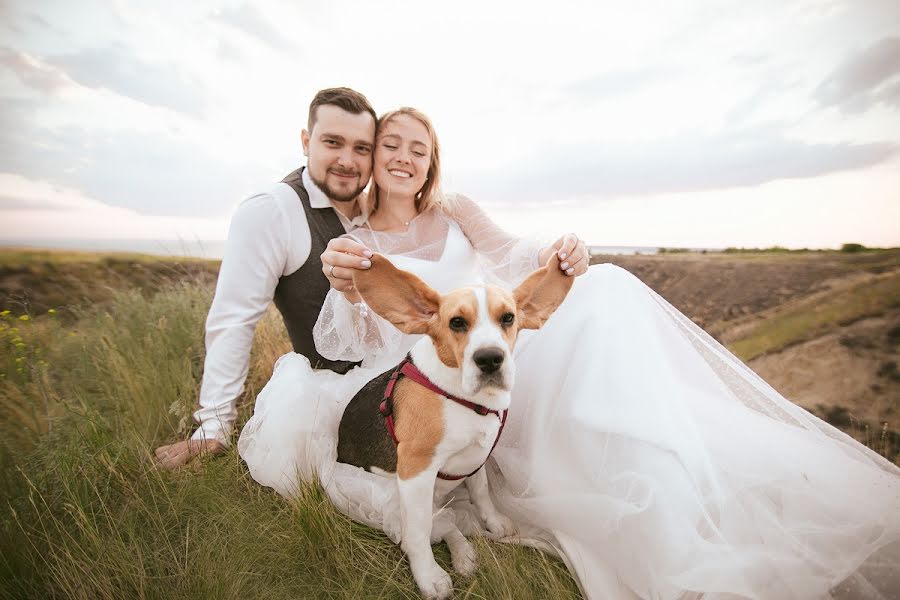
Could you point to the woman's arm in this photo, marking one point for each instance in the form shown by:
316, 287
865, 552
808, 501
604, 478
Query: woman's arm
351, 331
346, 329
512, 258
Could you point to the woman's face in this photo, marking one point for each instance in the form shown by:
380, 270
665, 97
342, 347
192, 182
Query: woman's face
402, 156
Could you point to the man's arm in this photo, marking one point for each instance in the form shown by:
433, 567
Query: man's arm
255, 256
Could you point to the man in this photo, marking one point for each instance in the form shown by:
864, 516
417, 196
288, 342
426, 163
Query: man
272, 253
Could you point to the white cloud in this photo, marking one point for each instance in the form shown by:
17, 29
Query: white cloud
35, 210
117, 68
248, 19
796, 213
858, 83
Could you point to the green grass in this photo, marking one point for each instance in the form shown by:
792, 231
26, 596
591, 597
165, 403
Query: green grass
86, 515
813, 318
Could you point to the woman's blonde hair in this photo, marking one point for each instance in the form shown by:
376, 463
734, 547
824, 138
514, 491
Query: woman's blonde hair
430, 194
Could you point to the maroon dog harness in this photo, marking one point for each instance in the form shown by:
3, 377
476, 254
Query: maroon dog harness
408, 369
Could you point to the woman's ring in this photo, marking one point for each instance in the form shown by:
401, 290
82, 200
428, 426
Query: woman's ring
331, 271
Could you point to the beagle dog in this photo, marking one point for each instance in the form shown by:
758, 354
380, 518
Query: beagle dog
433, 421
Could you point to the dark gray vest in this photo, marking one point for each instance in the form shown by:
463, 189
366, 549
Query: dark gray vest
299, 296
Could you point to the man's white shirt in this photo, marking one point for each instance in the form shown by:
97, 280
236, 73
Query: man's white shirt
269, 238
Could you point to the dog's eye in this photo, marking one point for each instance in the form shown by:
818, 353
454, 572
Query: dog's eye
458, 324
507, 319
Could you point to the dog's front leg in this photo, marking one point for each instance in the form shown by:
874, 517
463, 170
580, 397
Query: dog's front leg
416, 517
498, 524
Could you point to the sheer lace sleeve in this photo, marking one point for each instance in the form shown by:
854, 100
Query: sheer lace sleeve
505, 257
346, 331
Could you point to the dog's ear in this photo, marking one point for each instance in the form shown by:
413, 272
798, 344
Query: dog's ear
541, 293
398, 296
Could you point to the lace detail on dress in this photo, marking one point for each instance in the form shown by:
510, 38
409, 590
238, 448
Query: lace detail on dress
346, 331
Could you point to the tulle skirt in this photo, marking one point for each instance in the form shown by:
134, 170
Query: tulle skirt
651, 460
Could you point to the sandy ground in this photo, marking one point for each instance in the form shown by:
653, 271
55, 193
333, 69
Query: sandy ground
846, 368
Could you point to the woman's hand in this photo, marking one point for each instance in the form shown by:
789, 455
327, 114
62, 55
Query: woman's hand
341, 257
574, 258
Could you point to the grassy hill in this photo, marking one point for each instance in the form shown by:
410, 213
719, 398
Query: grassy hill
102, 356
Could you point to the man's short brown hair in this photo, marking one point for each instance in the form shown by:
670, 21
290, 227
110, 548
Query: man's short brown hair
342, 97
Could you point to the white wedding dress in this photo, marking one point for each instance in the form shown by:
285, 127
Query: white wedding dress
649, 458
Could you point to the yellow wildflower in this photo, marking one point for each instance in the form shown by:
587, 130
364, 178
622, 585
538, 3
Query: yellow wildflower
24, 318
4, 313
52, 311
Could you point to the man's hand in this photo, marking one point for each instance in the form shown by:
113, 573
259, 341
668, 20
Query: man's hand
340, 258
573, 255
180, 453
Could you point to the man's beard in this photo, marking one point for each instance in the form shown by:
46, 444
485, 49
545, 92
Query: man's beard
334, 194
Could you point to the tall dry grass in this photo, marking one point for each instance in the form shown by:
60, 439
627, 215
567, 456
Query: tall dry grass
85, 514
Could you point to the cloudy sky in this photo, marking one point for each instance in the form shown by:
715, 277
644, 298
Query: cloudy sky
693, 123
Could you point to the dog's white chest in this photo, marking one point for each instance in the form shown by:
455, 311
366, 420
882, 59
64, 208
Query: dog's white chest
469, 438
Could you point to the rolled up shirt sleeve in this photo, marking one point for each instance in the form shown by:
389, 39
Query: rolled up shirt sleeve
255, 257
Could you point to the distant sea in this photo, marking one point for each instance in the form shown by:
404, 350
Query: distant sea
595, 250
206, 248
189, 248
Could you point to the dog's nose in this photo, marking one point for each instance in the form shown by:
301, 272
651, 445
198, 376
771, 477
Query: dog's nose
488, 359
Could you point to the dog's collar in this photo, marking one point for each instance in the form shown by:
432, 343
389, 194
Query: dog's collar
406, 368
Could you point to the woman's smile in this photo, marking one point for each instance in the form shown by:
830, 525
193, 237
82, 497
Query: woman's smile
402, 156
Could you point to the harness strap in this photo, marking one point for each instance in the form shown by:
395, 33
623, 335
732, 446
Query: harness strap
406, 368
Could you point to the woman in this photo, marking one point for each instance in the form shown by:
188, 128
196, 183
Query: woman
653, 461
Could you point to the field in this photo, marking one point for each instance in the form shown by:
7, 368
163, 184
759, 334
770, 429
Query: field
101, 362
